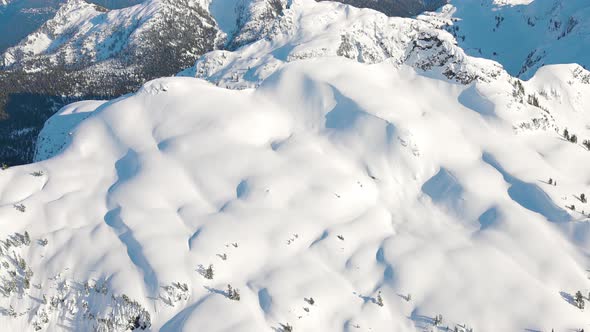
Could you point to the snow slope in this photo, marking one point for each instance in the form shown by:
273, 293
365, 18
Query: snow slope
394, 166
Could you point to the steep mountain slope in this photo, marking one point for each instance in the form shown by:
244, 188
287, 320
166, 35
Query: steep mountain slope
20, 18
371, 191
523, 35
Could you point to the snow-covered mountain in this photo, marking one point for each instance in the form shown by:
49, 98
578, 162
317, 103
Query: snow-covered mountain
20, 18
82, 34
361, 35
361, 173
523, 35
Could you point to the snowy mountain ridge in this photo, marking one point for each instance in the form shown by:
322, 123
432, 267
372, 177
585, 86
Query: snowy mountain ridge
83, 34
523, 35
361, 35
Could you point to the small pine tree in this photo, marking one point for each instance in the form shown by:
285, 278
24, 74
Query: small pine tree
233, 293
22, 264
209, 272
27, 238
574, 139
586, 143
287, 327
11, 312
550, 181
379, 299
579, 299
438, 320
583, 198
566, 134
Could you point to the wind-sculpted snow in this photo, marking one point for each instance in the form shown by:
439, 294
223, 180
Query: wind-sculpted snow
332, 188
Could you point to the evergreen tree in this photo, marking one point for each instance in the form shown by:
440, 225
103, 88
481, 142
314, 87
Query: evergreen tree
566, 134
579, 299
209, 272
379, 299
438, 320
27, 238
11, 311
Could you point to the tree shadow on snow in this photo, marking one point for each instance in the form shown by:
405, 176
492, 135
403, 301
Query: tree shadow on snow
421, 321
366, 299
216, 291
568, 298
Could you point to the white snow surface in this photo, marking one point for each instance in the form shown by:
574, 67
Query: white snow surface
409, 168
